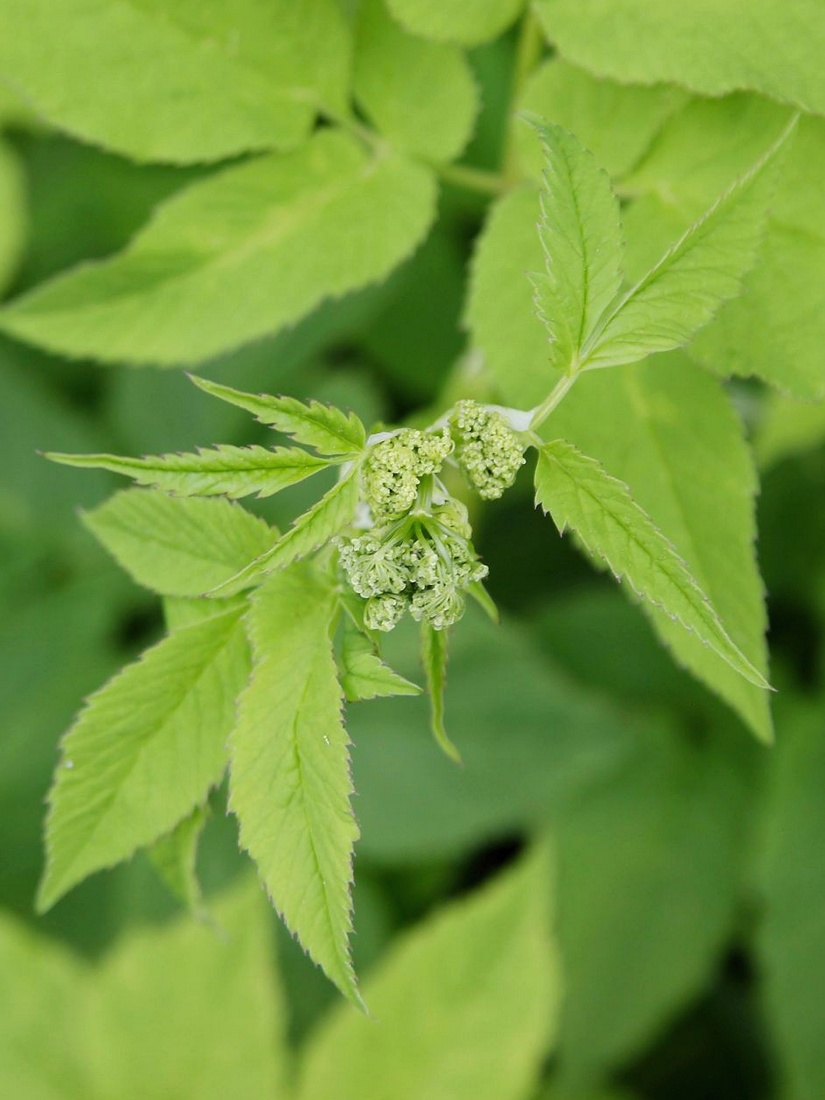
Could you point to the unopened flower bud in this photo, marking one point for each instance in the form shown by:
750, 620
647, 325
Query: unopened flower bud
489, 451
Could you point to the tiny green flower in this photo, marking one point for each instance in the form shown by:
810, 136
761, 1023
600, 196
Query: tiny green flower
488, 450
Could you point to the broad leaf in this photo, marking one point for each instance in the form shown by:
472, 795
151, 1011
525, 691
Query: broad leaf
465, 1005
434, 652
711, 46
420, 94
178, 547
144, 752
788, 428
198, 82
577, 492
247, 251
290, 783
669, 431
323, 427
466, 21
681, 293
580, 233
363, 674
220, 471
334, 511
174, 857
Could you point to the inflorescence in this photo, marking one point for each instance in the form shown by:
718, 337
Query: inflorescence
416, 553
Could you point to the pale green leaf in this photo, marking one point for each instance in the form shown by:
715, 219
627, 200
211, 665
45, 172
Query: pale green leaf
363, 674
175, 546
469, 22
465, 1006
616, 122
334, 511
420, 94
788, 428
290, 783
581, 236
249, 250
670, 433
219, 471
182, 611
705, 268
197, 81
144, 752
710, 46
174, 857
577, 492
434, 652
327, 429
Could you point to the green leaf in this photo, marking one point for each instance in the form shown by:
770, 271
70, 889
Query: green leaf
434, 650
178, 547
290, 783
174, 857
334, 511
788, 428
669, 431
363, 674
323, 427
465, 1005
681, 293
200, 82
710, 46
182, 611
420, 94
220, 471
469, 22
144, 752
579, 494
249, 250
581, 236
790, 941
12, 213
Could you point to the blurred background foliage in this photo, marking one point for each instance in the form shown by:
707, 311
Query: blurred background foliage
690, 890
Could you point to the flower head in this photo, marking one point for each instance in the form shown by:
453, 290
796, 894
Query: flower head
488, 450
395, 467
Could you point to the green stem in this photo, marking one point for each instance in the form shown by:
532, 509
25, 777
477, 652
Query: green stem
561, 388
472, 179
528, 53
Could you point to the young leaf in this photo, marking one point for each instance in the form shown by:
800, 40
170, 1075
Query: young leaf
681, 293
363, 674
580, 233
468, 22
220, 471
309, 532
198, 82
466, 1004
178, 547
434, 646
323, 427
144, 752
290, 782
577, 492
247, 251
174, 857
420, 94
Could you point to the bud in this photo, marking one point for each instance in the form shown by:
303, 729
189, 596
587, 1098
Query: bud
384, 612
441, 606
489, 451
395, 466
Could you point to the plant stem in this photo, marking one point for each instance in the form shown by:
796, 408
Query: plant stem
528, 52
472, 179
542, 411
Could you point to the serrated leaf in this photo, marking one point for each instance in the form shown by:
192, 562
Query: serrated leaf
219, 471
327, 429
200, 81
468, 22
420, 94
334, 511
581, 236
144, 752
434, 652
174, 857
251, 249
183, 611
175, 546
290, 783
465, 1005
705, 268
363, 674
577, 492
669, 431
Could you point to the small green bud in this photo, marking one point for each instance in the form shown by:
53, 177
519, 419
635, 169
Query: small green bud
441, 606
395, 466
384, 612
489, 451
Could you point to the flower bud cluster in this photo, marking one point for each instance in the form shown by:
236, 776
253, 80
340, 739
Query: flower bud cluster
488, 450
395, 467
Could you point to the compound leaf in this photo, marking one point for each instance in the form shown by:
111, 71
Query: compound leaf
177, 546
144, 752
249, 250
290, 781
577, 492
